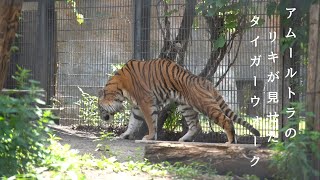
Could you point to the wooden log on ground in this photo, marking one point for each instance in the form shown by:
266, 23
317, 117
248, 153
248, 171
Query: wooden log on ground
237, 158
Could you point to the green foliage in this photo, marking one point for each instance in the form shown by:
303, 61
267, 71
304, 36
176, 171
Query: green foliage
62, 163
106, 136
169, 13
190, 171
23, 128
88, 106
176, 170
292, 157
72, 4
120, 117
14, 49
22, 76
115, 67
251, 177
298, 22
230, 13
220, 42
173, 123
27, 148
88, 111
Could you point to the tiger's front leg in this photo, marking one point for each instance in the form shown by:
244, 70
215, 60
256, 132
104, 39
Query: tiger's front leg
135, 121
150, 113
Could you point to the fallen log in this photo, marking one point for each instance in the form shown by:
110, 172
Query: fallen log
236, 158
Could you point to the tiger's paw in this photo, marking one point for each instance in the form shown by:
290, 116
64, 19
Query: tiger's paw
234, 141
148, 137
185, 139
124, 136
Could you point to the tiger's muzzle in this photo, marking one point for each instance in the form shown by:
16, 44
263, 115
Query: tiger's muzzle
104, 114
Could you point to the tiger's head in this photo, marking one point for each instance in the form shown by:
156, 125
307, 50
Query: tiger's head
110, 101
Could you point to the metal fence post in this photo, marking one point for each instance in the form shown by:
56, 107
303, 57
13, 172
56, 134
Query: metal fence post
51, 41
42, 44
46, 47
141, 29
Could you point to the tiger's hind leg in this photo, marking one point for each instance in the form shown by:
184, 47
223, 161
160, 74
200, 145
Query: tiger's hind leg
135, 121
216, 114
191, 117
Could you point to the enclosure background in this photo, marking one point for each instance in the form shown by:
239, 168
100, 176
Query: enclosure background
69, 55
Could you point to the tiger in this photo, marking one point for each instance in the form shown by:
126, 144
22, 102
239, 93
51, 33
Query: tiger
150, 85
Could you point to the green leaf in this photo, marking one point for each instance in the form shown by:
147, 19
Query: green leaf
285, 43
220, 42
261, 22
231, 17
169, 13
271, 8
310, 114
80, 18
221, 3
14, 49
231, 25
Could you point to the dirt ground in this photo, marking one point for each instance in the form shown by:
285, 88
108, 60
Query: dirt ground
87, 142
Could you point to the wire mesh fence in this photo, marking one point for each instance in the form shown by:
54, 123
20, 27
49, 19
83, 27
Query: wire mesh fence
87, 52
35, 45
82, 57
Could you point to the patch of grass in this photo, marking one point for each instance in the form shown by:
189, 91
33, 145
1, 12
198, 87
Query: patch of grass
165, 169
65, 163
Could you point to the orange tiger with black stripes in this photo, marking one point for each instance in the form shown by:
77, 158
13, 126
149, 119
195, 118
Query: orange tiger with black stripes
149, 85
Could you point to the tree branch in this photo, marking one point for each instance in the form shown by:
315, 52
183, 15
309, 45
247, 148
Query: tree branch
240, 29
215, 25
171, 49
165, 33
216, 28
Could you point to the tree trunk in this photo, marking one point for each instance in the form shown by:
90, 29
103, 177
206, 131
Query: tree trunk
170, 49
9, 19
313, 81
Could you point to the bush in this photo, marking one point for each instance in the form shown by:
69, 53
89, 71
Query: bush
293, 157
88, 111
23, 134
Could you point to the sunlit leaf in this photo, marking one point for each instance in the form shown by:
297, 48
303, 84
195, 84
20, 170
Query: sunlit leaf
80, 18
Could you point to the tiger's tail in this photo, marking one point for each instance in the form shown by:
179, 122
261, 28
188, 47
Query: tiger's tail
234, 117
